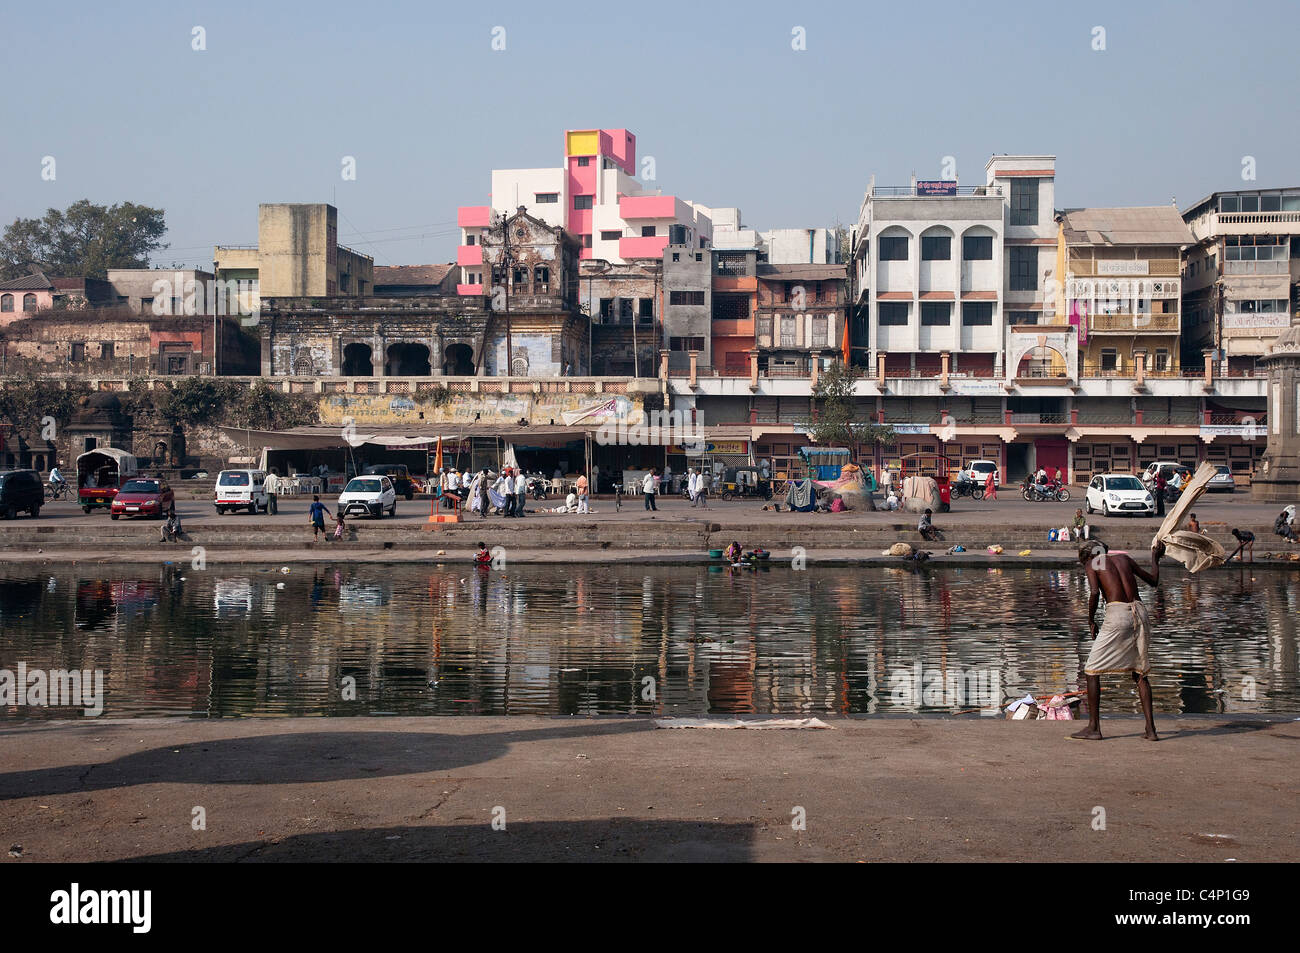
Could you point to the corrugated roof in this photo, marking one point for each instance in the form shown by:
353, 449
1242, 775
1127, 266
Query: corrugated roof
1148, 225
33, 282
411, 274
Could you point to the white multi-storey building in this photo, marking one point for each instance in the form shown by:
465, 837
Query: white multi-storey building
1241, 280
928, 266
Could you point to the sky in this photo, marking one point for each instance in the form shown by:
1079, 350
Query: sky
1179, 97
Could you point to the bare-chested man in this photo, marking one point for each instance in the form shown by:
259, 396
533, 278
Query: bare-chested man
1121, 646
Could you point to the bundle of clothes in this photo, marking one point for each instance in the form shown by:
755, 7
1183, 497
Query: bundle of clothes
801, 496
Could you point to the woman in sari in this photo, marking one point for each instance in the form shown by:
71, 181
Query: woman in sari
991, 486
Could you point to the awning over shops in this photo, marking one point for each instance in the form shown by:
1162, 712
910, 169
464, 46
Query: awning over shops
319, 437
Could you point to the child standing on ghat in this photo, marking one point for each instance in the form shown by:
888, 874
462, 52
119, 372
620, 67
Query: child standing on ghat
317, 516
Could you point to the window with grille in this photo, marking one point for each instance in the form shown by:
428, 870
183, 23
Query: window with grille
1024, 201
893, 248
935, 313
892, 313
936, 248
1024, 268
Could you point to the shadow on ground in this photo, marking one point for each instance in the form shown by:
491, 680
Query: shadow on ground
616, 839
296, 758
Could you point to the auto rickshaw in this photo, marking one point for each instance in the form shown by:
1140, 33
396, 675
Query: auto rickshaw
744, 481
99, 474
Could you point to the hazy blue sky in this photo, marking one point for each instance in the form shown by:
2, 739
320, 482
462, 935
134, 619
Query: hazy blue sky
732, 114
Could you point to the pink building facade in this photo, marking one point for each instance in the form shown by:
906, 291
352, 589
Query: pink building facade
599, 196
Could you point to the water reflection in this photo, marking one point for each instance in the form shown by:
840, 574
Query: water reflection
651, 640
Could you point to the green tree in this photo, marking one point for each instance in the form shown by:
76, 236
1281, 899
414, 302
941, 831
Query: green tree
836, 421
85, 240
27, 398
263, 407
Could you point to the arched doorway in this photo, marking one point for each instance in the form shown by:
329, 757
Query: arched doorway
408, 360
357, 360
1042, 362
458, 361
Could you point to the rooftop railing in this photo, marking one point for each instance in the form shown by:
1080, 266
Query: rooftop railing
909, 191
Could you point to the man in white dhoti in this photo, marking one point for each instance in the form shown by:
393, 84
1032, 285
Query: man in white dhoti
1125, 636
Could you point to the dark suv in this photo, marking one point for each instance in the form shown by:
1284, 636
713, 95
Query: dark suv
20, 490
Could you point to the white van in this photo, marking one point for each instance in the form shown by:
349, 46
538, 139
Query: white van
240, 489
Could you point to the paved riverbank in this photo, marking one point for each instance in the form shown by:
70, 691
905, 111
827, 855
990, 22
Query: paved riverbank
401, 789
676, 533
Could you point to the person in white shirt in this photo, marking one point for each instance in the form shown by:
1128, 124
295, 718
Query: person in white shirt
272, 487
693, 485
521, 492
505, 488
648, 490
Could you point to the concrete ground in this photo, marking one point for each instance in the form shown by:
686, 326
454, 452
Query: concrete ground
1230, 509
677, 532
402, 789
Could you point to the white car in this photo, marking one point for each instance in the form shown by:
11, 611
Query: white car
1117, 494
240, 489
368, 496
978, 470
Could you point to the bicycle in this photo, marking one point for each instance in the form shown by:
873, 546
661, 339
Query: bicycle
57, 491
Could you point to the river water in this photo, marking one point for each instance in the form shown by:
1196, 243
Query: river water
453, 640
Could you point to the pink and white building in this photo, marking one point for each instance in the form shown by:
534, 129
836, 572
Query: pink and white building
596, 196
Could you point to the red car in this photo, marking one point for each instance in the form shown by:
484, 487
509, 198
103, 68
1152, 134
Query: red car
141, 496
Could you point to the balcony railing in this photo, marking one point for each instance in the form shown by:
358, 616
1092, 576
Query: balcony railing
1133, 323
1258, 218
1238, 420
909, 191
1040, 419
1156, 267
1279, 266
797, 369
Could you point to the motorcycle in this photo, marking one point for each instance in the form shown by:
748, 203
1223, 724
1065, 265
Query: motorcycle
1044, 493
968, 488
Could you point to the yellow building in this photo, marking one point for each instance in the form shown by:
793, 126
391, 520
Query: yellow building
297, 255
1123, 288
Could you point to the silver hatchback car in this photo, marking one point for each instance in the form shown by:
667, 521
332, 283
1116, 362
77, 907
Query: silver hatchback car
1221, 482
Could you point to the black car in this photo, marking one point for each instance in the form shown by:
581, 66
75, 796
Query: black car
398, 473
20, 490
